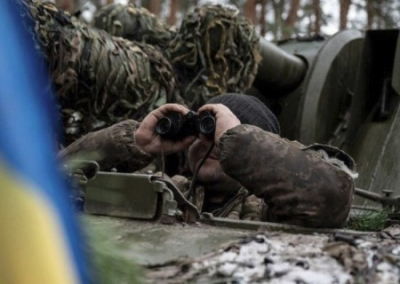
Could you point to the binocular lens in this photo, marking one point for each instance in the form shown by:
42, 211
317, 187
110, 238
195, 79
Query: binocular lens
176, 126
164, 126
207, 125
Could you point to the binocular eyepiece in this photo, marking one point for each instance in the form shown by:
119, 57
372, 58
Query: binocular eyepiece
176, 126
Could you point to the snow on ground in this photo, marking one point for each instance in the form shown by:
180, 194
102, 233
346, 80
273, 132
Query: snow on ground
277, 257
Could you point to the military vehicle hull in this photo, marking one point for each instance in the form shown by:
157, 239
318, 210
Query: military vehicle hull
341, 91
171, 251
348, 98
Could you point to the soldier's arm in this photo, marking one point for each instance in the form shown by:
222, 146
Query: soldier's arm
114, 146
298, 185
129, 145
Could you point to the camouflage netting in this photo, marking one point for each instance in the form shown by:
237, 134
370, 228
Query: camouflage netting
215, 51
133, 23
100, 80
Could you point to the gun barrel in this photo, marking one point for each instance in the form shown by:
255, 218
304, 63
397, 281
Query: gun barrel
278, 69
384, 200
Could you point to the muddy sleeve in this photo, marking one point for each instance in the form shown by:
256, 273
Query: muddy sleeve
114, 146
251, 209
297, 185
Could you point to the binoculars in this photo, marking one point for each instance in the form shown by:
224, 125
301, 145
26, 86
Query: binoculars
176, 126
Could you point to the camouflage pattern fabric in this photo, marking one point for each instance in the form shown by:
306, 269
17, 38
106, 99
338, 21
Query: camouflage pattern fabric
133, 23
297, 184
111, 147
242, 205
115, 147
215, 51
100, 80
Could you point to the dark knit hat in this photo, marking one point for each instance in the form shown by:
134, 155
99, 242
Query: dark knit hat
249, 110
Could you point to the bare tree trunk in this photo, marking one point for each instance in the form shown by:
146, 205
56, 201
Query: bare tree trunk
262, 17
66, 5
250, 11
370, 14
318, 16
310, 25
277, 27
172, 13
291, 18
292, 15
344, 11
109, 2
154, 6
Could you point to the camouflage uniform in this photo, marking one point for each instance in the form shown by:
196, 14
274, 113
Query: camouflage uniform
111, 147
115, 147
133, 23
215, 51
242, 205
297, 184
99, 79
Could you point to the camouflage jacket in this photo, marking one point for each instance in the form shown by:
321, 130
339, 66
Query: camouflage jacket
115, 147
242, 205
301, 185
309, 186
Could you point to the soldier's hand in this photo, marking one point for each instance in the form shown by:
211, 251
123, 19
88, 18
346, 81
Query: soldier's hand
150, 142
224, 117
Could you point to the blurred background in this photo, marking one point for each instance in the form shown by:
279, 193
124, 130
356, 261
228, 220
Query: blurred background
274, 19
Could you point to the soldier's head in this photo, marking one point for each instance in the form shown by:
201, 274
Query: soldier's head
249, 110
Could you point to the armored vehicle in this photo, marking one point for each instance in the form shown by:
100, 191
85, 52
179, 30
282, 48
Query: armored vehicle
344, 93
340, 90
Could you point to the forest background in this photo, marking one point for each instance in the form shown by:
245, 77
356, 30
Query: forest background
274, 19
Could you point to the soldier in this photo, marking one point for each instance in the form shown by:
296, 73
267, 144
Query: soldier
101, 80
252, 173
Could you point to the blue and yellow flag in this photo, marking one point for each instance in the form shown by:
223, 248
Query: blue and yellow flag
40, 241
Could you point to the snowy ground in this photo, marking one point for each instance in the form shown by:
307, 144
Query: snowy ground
276, 257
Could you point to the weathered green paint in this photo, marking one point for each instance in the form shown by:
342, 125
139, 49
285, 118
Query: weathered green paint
348, 98
377, 154
396, 68
151, 243
377, 64
330, 80
270, 227
123, 195
287, 103
314, 110
279, 70
373, 132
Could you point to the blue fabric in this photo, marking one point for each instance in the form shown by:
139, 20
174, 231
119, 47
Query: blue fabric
27, 116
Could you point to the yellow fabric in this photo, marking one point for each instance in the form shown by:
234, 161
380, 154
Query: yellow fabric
32, 245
